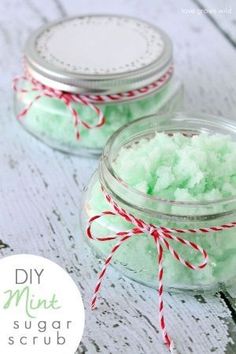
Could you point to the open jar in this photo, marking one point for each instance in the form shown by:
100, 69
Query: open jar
87, 76
137, 256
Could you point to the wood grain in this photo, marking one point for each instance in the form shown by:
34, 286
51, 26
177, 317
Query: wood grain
222, 14
41, 190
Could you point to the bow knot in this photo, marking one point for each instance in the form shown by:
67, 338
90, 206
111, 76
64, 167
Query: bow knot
61, 96
153, 231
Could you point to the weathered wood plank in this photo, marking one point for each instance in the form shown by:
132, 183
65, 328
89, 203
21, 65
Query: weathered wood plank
222, 14
41, 217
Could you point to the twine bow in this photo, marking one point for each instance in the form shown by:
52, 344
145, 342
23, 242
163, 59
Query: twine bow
67, 98
161, 236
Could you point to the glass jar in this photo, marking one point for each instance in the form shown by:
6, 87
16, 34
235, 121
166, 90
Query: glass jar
76, 94
137, 257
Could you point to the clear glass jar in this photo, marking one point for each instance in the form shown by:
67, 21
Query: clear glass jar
50, 120
147, 59
137, 257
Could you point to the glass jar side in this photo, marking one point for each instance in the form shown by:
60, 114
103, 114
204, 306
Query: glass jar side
137, 258
52, 122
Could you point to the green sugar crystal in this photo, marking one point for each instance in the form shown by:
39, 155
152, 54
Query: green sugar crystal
51, 121
179, 168
200, 169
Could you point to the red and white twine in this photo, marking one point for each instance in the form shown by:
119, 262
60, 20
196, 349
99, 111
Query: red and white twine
161, 236
67, 98
70, 99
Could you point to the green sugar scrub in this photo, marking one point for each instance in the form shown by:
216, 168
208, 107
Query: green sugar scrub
50, 120
176, 167
173, 176
119, 68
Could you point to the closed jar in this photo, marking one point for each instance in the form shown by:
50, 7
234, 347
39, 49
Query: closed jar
202, 205
75, 94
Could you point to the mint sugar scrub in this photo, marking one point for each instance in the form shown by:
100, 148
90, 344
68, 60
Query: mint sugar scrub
180, 168
75, 94
176, 171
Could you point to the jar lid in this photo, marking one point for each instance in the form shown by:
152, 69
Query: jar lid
98, 54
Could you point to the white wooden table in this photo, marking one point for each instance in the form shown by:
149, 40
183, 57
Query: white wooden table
41, 189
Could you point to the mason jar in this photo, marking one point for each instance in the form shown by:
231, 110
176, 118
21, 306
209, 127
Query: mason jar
85, 77
137, 256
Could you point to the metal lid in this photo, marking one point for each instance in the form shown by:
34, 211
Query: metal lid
98, 54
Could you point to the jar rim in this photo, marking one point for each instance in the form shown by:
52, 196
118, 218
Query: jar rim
67, 80
111, 177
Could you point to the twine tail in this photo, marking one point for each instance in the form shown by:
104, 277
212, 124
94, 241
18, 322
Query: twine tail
84, 101
104, 269
160, 257
75, 116
25, 110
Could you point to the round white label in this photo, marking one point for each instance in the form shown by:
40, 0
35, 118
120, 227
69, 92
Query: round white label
100, 44
41, 309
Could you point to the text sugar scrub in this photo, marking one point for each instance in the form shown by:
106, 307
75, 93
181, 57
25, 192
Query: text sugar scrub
176, 171
87, 76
